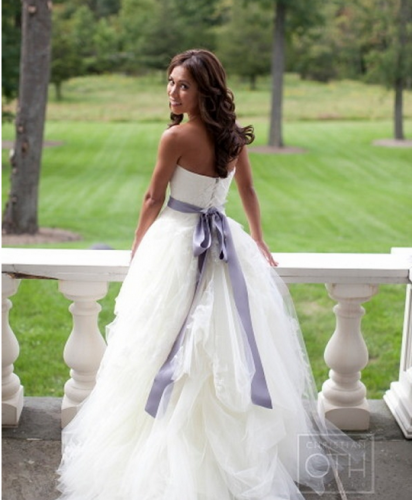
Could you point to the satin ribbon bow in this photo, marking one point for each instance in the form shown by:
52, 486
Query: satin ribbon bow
213, 221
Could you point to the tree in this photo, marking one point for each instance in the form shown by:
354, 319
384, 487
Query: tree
106, 43
290, 15
20, 215
244, 42
316, 51
163, 38
82, 44
11, 35
135, 18
178, 25
66, 61
83, 27
389, 58
197, 20
278, 68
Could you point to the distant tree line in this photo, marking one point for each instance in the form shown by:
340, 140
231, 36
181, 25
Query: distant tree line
363, 39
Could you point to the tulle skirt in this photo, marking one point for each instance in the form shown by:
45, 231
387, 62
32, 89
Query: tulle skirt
208, 441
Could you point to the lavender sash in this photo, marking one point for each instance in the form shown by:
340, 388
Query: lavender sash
211, 219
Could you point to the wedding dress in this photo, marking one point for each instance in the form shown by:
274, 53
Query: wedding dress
212, 436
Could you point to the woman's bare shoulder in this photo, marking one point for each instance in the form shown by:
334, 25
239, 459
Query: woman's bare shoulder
179, 134
172, 133
172, 138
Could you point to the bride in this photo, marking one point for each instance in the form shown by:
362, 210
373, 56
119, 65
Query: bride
205, 391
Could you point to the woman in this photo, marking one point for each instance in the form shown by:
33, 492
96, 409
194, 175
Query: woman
205, 391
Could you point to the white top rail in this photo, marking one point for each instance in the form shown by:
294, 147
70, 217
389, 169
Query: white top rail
112, 265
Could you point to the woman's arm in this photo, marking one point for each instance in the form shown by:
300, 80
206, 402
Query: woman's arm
167, 158
250, 203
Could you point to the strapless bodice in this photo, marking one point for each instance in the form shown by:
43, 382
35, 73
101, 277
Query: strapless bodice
199, 190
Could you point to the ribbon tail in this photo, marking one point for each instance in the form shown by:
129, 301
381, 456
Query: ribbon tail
259, 389
164, 376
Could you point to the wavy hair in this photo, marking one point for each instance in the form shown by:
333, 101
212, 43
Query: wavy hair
216, 106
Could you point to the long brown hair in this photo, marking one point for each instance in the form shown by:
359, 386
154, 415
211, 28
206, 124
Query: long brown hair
216, 106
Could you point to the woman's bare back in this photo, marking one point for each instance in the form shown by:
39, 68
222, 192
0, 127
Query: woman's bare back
198, 149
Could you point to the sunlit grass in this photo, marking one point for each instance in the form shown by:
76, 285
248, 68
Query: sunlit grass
342, 195
121, 98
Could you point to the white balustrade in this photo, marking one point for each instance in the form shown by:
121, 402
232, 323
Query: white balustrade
85, 347
12, 390
399, 397
343, 397
351, 279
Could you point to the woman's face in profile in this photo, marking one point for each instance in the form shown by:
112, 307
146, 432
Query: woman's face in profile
182, 91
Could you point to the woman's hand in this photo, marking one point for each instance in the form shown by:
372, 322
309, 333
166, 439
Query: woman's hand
266, 252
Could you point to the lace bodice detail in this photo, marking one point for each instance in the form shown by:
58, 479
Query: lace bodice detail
199, 190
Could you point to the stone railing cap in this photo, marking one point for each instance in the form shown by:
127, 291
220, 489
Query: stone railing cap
112, 265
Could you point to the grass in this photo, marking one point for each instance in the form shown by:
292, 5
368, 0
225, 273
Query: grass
119, 98
342, 195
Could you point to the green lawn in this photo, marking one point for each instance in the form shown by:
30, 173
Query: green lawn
342, 195
144, 100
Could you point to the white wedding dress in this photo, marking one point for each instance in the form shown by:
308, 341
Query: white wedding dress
208, 440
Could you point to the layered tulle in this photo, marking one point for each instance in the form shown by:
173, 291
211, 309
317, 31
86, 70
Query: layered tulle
208, 442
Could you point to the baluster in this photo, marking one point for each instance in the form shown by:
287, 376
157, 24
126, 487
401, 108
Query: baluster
399, 397
85, 346
12, 390
343, 397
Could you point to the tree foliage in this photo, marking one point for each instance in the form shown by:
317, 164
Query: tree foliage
315, 49
389, 58
82, 44
324, 40
135, 16
163, 37
178, 25
66, 62
388, 29
245, 41
366, 39
104, 8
